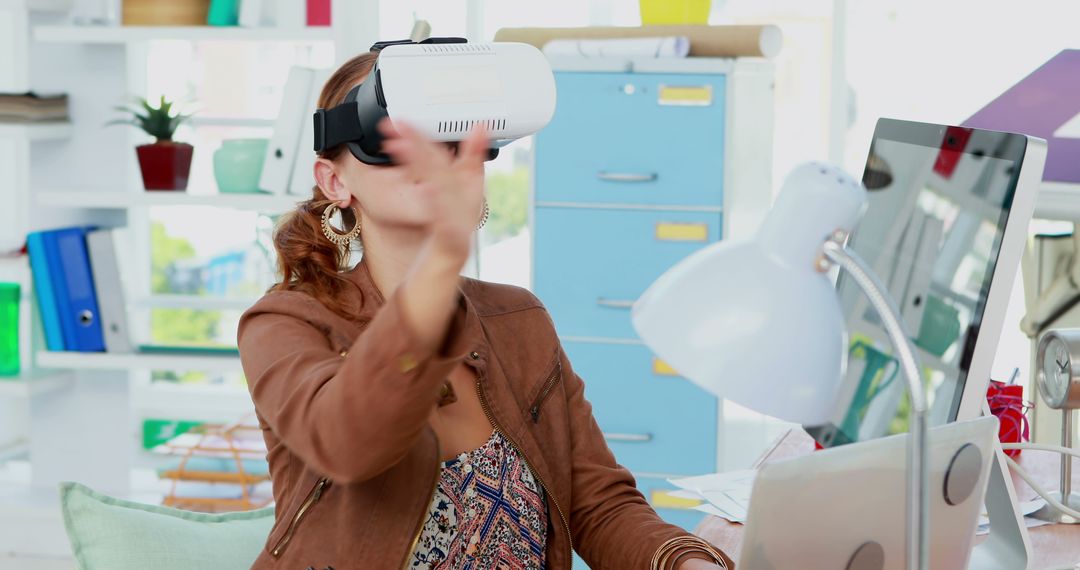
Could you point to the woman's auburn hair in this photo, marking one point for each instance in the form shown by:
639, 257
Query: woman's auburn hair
306, 260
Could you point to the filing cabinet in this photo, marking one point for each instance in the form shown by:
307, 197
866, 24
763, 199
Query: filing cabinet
644, 163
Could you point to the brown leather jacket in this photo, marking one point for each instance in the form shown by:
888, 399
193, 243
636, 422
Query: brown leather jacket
343, 407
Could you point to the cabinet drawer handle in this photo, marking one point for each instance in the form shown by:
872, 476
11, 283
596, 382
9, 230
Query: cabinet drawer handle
629, 437
627, 176
614, 303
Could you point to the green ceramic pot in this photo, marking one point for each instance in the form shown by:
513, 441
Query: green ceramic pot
238, 164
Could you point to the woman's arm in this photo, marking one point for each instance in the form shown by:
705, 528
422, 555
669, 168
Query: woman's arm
349, 417
612, 524
353, 416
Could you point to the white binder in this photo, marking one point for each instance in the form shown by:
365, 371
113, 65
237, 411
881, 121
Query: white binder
303, 176
281, 152
105, 268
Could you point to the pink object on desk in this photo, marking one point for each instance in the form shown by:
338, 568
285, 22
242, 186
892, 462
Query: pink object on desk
1008, 405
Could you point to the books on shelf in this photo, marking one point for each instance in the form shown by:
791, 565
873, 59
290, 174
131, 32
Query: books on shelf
105, 266
60, 265
77, 274
32, 107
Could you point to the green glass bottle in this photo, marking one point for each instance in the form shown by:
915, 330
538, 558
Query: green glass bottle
9, 329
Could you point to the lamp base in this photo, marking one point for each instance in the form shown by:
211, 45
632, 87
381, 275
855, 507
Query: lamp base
1050, 514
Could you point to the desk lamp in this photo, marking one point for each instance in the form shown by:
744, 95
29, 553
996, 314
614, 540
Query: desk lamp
758, 322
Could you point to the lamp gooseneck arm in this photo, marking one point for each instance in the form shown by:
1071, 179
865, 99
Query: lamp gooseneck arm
917, 451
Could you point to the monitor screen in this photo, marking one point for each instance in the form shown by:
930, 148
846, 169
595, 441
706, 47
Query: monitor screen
938, 204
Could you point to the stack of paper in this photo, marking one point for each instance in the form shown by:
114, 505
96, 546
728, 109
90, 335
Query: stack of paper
725, 495
1026, 508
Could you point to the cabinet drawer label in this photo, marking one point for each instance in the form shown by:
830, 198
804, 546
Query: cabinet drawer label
685, 95
680, 231
661, 368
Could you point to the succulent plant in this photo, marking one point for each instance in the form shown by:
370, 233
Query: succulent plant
158, 122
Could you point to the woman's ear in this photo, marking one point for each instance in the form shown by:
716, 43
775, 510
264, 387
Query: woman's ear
326, 176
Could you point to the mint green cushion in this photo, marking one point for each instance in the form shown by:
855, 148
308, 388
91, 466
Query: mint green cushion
114, 534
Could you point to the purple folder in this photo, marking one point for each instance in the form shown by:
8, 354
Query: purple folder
1039, 105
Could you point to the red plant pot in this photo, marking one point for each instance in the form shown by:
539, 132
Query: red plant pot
165, 165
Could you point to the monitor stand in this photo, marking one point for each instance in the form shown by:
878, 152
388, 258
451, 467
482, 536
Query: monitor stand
1007, 547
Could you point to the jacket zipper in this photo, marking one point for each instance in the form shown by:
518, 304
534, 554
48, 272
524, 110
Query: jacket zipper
427, 505
547, 492
312, 498
534, 411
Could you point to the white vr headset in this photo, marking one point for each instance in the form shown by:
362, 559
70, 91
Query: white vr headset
443, 87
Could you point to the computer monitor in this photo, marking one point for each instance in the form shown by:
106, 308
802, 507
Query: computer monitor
947, 217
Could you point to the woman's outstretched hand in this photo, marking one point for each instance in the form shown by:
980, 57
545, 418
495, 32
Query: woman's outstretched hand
453, 186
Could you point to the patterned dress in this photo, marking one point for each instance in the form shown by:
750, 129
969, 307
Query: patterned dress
488, 513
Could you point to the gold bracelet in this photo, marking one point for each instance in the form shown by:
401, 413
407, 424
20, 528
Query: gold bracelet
690, 543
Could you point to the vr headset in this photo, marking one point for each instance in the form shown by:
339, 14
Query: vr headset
443, 87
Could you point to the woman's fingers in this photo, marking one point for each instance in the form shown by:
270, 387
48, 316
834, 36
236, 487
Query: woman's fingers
474, 148
411, 149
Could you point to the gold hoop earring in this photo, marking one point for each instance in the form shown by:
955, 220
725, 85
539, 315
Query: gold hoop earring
484, 215
332, 234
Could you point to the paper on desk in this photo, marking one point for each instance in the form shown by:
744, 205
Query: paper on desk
1026, 508
739, 479
726, 495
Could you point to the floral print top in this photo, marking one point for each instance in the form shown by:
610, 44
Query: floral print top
488, 512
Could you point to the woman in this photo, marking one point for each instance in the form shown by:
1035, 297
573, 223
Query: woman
418, 419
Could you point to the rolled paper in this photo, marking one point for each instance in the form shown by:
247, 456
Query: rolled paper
705, 41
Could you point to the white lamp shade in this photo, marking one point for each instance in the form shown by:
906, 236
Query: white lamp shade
756, 322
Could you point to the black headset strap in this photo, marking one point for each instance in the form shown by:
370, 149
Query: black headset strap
337, 125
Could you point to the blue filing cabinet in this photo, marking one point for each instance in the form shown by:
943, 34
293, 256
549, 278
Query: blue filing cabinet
634, 173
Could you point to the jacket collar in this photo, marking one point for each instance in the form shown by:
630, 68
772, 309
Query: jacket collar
466, 320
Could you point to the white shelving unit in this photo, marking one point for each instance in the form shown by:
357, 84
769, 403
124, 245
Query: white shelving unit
70, 415
137, 361
122, 200
125, 34
35, 384
44, 131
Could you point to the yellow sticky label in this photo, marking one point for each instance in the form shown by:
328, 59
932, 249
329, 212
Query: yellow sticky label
661, 368
675, 231
693, 95
664, 500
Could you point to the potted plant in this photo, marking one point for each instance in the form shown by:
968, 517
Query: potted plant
165, 164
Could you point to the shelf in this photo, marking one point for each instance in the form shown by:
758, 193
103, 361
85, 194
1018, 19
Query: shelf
199, 302
15, 269
34, 384
123, 200
138, 361
125, 34
43, 131
1058, 201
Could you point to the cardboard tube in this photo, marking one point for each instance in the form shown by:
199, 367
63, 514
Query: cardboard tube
705, 41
